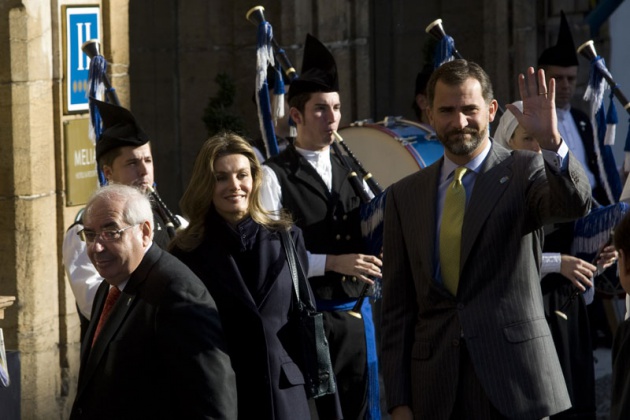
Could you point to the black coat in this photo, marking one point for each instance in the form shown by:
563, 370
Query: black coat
161, 354
247, 273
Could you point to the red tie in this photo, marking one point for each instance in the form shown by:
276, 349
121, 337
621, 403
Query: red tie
112, 297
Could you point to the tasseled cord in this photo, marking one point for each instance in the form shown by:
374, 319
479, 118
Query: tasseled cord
264, 58
595, 95
98, 69
611, 122
96, 75
277, 100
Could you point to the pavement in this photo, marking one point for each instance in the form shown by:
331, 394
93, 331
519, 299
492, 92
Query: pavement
603, 381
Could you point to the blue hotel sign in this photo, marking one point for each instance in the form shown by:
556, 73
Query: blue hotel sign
81, 24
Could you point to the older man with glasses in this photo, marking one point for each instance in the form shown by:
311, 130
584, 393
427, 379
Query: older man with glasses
154, 347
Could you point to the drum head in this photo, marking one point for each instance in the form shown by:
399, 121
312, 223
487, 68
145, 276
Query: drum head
391, 153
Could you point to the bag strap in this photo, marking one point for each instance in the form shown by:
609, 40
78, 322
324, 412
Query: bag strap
297, 273
290, 253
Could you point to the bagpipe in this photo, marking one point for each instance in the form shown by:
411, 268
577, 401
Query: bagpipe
97, 77
603, 122
269, 53
100, 86
372, 209
587, 50
445, 50
595, 231
172, 222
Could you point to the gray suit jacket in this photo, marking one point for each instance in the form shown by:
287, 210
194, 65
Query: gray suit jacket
498, 308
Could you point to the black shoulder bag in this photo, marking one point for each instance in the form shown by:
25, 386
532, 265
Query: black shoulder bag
317, 368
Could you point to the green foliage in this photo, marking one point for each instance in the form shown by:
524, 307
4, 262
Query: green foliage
219, 115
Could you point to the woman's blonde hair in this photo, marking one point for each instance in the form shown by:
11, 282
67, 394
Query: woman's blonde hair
197, 198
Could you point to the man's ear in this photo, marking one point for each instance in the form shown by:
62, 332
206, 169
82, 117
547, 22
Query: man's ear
107, 172
422, 101
296, 115
147, 232
492, 109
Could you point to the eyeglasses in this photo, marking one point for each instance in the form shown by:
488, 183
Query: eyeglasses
89, 236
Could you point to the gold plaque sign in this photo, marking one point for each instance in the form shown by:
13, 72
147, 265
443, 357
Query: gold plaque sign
81, 177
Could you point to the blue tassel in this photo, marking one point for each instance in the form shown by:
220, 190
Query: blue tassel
611, 116
607, 157
611, 122
444, 51
98, 69
279, 81
593, 230
96, 74
594, 94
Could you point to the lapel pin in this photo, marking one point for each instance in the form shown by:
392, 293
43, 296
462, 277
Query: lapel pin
504, 179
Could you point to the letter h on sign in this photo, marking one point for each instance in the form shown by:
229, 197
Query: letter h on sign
82, 24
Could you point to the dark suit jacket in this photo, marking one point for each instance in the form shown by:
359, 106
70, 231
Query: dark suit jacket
498, 309
247, 273
161, 354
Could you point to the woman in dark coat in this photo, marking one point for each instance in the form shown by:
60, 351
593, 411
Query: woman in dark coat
234, 246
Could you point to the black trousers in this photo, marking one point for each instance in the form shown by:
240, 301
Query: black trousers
346, 339
572, 339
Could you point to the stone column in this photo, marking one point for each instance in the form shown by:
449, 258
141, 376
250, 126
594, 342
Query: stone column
28, 228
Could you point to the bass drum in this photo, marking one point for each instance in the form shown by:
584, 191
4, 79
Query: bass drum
393, 148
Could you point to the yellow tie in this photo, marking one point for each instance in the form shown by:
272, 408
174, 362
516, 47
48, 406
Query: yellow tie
451, 231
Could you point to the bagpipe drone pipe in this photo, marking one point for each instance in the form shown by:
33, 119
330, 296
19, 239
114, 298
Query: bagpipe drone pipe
372, 209
604, 123
269, 53
101, 88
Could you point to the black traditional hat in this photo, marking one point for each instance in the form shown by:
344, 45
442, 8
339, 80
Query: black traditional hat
120, 128
319, 70
562, 54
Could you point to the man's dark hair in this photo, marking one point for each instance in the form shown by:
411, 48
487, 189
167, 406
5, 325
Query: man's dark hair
455, 73
299, 101
108, 158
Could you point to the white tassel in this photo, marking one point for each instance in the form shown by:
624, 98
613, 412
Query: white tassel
277, 108
611, 132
